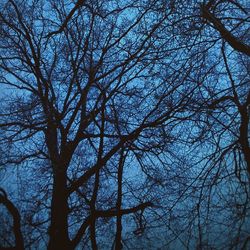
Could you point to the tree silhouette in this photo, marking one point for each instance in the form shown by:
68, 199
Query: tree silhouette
122, 119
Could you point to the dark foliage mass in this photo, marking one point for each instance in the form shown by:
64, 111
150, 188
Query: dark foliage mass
124, 124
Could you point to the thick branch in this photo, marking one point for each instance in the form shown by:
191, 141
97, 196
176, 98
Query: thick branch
112, 213
19, 244
214, 103
234, 42
106, 214
67, 19
80, 232
103, 161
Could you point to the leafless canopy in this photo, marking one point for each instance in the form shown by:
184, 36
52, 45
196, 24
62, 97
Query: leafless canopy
124, 124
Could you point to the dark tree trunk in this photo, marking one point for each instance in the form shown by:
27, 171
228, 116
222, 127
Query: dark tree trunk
118, 237
58, 232
244, 133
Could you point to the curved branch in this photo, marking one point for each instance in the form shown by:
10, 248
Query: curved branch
16, 220
234, 42
67, 19
106, 214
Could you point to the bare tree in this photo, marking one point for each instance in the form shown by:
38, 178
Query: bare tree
116, 111
81, 95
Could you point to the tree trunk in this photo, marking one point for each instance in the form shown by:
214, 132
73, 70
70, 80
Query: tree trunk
58, 232
244, 134
118, 237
